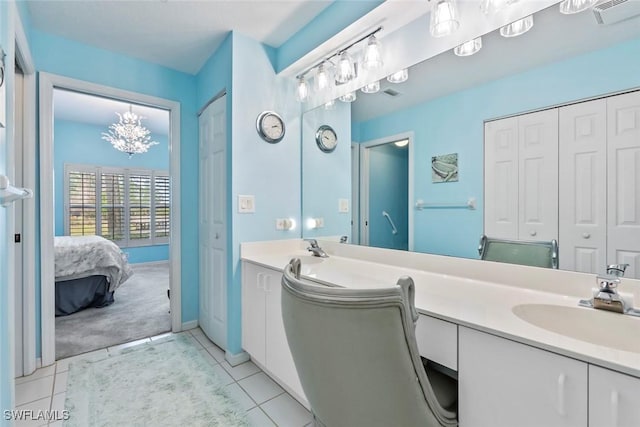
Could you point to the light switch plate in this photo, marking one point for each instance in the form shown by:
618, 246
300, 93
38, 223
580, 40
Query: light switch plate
343, 205
246, 204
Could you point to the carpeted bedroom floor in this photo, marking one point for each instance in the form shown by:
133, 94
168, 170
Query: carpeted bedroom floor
140, 310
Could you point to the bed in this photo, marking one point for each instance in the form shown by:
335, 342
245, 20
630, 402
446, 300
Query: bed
88, 270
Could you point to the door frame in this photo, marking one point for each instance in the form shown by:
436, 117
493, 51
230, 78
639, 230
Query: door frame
25, 60
364, 183
49, 82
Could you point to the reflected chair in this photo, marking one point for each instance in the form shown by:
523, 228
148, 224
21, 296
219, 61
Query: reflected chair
536, 254
357, 358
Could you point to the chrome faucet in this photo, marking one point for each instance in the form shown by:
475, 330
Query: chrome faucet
315, 249
607, 297
617, 269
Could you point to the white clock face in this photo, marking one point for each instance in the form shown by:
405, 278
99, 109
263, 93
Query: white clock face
326, 139
270, 127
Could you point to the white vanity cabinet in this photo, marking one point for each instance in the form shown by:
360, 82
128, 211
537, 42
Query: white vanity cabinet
438, 341
504, 383
263, 335
614, 399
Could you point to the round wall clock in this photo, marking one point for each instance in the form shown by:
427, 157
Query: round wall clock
270, 127
326, 138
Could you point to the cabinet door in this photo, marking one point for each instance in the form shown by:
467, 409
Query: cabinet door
253, 311
504, 383
623, 189
538, 175
614, 399
501, 178
279, 360
583, 186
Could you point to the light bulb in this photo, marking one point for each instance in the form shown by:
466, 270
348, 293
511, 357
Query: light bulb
468, 48
569, 7
371, 87
372, 55
402, 143
349, 97
444, 18
518, 27
322, 78
345, 71
303, 90
399, 76
493, 6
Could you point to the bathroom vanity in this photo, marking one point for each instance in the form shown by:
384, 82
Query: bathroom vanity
525, 354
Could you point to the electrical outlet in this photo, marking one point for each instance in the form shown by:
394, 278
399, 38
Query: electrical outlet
343, 205
246, 204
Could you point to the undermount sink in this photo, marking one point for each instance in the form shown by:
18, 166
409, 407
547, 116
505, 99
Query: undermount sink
598, 327
308, 259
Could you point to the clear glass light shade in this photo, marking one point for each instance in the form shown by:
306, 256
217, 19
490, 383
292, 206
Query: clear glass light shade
468, 48
302, 90
372, 54
444, 18
569, 7
344, 71
330, 105
399, 76
129, 135
493, 6
349, 97
371, 87
518, 27
322, 78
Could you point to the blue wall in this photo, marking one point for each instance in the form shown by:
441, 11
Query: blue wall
82, 143
76, 60
438, 130
389, 191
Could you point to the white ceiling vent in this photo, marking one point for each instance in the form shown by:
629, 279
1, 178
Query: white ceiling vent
391, 92
613, 11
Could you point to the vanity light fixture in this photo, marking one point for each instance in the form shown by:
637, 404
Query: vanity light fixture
322, 78
399, 76
493, 6
569, 7
345, 70
444, 18
371, 87
468, 48
518, 27
348, 97
372, 54
303, 90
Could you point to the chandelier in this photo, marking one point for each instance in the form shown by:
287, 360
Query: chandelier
128, 135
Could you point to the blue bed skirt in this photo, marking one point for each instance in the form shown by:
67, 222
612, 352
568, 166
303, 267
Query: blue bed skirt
78, 294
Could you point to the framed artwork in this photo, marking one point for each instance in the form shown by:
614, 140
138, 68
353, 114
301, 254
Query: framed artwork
444, 168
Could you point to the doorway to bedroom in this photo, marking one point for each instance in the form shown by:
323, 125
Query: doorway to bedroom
112, 228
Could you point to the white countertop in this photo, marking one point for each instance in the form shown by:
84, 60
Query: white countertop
476, 294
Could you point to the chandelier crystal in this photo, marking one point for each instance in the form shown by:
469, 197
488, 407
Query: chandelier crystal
128, 135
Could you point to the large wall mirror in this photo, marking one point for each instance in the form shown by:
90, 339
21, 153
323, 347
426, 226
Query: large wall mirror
422, 141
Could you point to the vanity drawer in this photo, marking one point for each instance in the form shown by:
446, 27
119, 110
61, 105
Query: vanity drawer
438, 341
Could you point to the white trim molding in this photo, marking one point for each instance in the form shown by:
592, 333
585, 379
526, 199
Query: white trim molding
236, 359
191, 324
47, 84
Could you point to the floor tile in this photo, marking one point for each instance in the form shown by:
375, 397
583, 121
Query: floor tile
57, 403
39, 373
241, 371
56, 424
285, 411
216, 352
258, 418
34, 390
38, 405
240, 396
194, 341
208, 357
60, 382
222, 375
63, 364
119, 347
260, 387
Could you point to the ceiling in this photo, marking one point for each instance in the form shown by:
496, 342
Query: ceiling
179, 34
91, 109
553, 37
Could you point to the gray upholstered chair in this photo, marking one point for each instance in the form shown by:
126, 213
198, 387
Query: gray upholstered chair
533, 253
357, 358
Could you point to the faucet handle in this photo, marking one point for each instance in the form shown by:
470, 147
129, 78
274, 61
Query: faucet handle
312, 242
617, 269
608, 282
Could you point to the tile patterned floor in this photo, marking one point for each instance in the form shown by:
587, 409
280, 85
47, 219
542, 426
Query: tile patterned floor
266, 403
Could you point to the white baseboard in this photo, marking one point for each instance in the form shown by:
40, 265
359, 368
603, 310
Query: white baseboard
238, 358
38, 362
192, 324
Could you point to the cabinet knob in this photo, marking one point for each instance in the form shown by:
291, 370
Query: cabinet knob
217, 236
532, 233
614, 408
586, 235
560, 396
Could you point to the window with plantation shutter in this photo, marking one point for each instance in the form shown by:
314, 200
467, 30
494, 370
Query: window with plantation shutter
128, 206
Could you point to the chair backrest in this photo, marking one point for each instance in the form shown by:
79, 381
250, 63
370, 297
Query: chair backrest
356, 354
536, 254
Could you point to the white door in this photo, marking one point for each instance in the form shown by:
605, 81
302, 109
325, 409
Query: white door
213, 229
538, 175
18, 232
583, 186
614, 398
623, 188
501, 178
